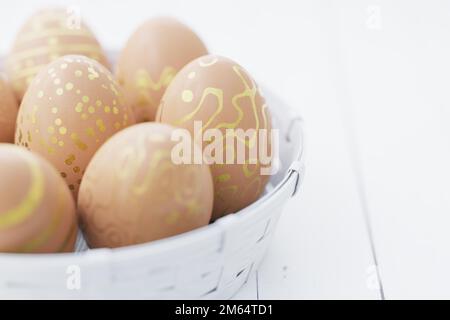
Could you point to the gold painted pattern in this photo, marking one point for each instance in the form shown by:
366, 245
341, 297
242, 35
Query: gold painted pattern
98, 115
31, 201
79, 48
52, 32
249, 92
208, 61
216, 92
145, 84
141, 168
226, 184
47, 35
49, 231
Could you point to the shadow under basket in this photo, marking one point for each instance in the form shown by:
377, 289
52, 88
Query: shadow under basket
212, 262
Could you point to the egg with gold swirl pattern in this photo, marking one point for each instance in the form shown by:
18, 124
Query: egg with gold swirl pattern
140, 194
45, 36
154, 53
8, 112
70, 109
221, 95
37, 211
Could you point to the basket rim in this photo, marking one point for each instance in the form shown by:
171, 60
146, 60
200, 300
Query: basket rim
205, 232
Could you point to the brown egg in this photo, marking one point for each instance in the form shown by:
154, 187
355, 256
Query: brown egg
46, 36
8, 112
37, 211
151, 58
72, 106
221, 95
140, 194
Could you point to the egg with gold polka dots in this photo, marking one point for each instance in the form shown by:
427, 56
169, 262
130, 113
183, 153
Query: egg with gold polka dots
45, 36
218, 101
8, 112
70, 109
152, 56
142, 193
37, 210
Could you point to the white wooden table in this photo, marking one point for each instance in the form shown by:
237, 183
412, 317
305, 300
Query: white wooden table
372, 81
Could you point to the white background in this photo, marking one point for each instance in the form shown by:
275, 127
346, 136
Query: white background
372, 81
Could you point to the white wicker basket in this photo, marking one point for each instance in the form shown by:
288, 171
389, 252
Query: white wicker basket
207, 263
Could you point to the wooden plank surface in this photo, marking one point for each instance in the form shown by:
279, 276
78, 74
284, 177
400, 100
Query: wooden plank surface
396, 57
321, 248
